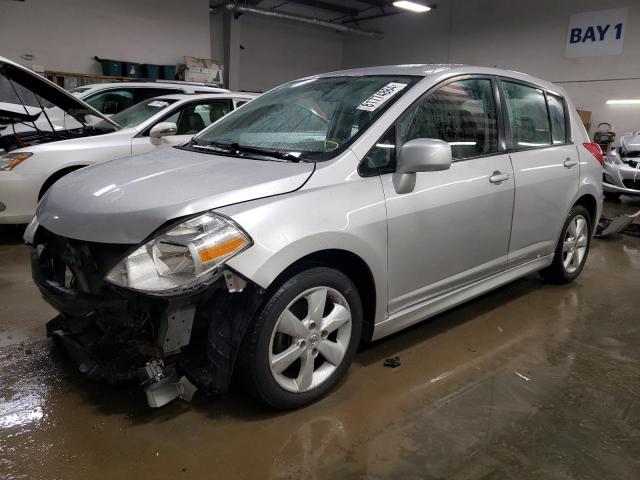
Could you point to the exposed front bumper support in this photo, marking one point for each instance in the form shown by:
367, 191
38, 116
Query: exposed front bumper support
609, 187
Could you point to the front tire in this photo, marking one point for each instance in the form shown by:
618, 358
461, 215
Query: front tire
572, 249
303, 340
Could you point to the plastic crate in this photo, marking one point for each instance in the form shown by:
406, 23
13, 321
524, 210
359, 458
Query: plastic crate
131, 69
150, 71
111, 68
168, 72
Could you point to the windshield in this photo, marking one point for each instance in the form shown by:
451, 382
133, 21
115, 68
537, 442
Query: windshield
312, 119
135, 115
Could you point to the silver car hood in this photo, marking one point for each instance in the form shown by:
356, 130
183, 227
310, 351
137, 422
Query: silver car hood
630, 142
125, 200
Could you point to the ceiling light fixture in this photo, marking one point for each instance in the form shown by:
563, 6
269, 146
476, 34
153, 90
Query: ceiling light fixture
624, 102
412, 6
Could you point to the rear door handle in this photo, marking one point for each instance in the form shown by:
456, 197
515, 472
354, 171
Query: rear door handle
498, 177
570, 162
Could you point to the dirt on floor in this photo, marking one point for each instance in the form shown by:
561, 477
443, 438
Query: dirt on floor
531, 381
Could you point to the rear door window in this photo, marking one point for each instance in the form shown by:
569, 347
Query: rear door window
558, 121
527, 116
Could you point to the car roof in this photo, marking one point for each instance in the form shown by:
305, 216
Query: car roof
439, 70
152, 84
198, 96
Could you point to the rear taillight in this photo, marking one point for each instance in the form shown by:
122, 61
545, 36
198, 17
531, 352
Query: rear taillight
596, 151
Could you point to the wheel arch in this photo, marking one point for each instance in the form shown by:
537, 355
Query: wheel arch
350, 264
589, 202
55, 176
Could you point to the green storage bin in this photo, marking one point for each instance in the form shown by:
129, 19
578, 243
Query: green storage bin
150, 71
131, 69
111, 68
168, 72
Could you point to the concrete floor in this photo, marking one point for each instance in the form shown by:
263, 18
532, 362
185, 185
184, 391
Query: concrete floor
529, 382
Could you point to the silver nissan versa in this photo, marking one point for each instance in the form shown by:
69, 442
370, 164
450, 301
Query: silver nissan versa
332, 210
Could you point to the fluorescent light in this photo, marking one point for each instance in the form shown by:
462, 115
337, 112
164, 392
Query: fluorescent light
624, 102
412, 6
460, 144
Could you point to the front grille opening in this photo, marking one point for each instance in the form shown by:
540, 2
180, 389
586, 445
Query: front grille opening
634, 184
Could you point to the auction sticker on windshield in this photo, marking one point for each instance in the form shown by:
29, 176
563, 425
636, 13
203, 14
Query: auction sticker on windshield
381, 96
158, 103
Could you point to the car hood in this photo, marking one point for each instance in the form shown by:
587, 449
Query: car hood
630, 143
125, 200
13, 74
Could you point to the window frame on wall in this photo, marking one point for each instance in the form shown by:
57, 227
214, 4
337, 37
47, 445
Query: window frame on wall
545, 91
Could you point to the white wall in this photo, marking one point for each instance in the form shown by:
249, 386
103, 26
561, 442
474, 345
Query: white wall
275, 51
531, 38
525, 36
65, 35
408, 38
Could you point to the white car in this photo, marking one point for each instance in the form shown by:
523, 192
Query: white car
27, 173
111, 98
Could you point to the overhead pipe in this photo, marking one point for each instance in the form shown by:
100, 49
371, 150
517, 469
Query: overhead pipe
299, 18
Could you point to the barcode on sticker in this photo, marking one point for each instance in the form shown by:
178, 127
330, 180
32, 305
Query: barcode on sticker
381, 96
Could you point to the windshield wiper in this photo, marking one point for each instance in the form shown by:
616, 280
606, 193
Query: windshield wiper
240, 149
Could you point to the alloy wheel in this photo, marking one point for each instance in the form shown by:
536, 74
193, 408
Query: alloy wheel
575, 243
310, 339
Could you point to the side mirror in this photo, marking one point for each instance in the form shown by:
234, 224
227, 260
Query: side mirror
420, 155
163, 129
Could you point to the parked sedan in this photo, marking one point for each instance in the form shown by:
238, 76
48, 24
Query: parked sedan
27, 173
338, 208
113, 97
622, 168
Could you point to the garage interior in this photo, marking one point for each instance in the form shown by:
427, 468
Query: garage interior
530, 381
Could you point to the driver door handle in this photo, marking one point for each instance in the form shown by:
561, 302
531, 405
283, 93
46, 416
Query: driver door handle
498, 177
570, 162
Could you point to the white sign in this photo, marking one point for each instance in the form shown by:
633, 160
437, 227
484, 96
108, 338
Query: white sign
597, 33
381, 96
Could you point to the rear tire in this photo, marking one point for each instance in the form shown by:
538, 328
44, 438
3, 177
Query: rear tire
303, 340
572, 249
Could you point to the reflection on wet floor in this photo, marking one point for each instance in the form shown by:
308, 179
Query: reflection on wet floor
530, 381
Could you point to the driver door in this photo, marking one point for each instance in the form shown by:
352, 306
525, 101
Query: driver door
190, 118
454, 227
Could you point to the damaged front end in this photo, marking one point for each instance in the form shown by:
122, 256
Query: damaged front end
172, 343
621, 173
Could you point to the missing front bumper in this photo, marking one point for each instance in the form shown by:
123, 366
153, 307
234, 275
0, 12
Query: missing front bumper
114, 335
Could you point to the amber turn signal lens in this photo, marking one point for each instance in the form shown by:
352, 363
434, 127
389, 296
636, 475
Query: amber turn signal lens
222, 249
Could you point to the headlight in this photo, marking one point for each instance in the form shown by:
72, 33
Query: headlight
10, 161
614, 157
181, 258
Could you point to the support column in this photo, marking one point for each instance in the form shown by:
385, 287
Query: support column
232, 29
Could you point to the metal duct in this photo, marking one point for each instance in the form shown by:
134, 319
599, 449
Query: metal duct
299, 18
